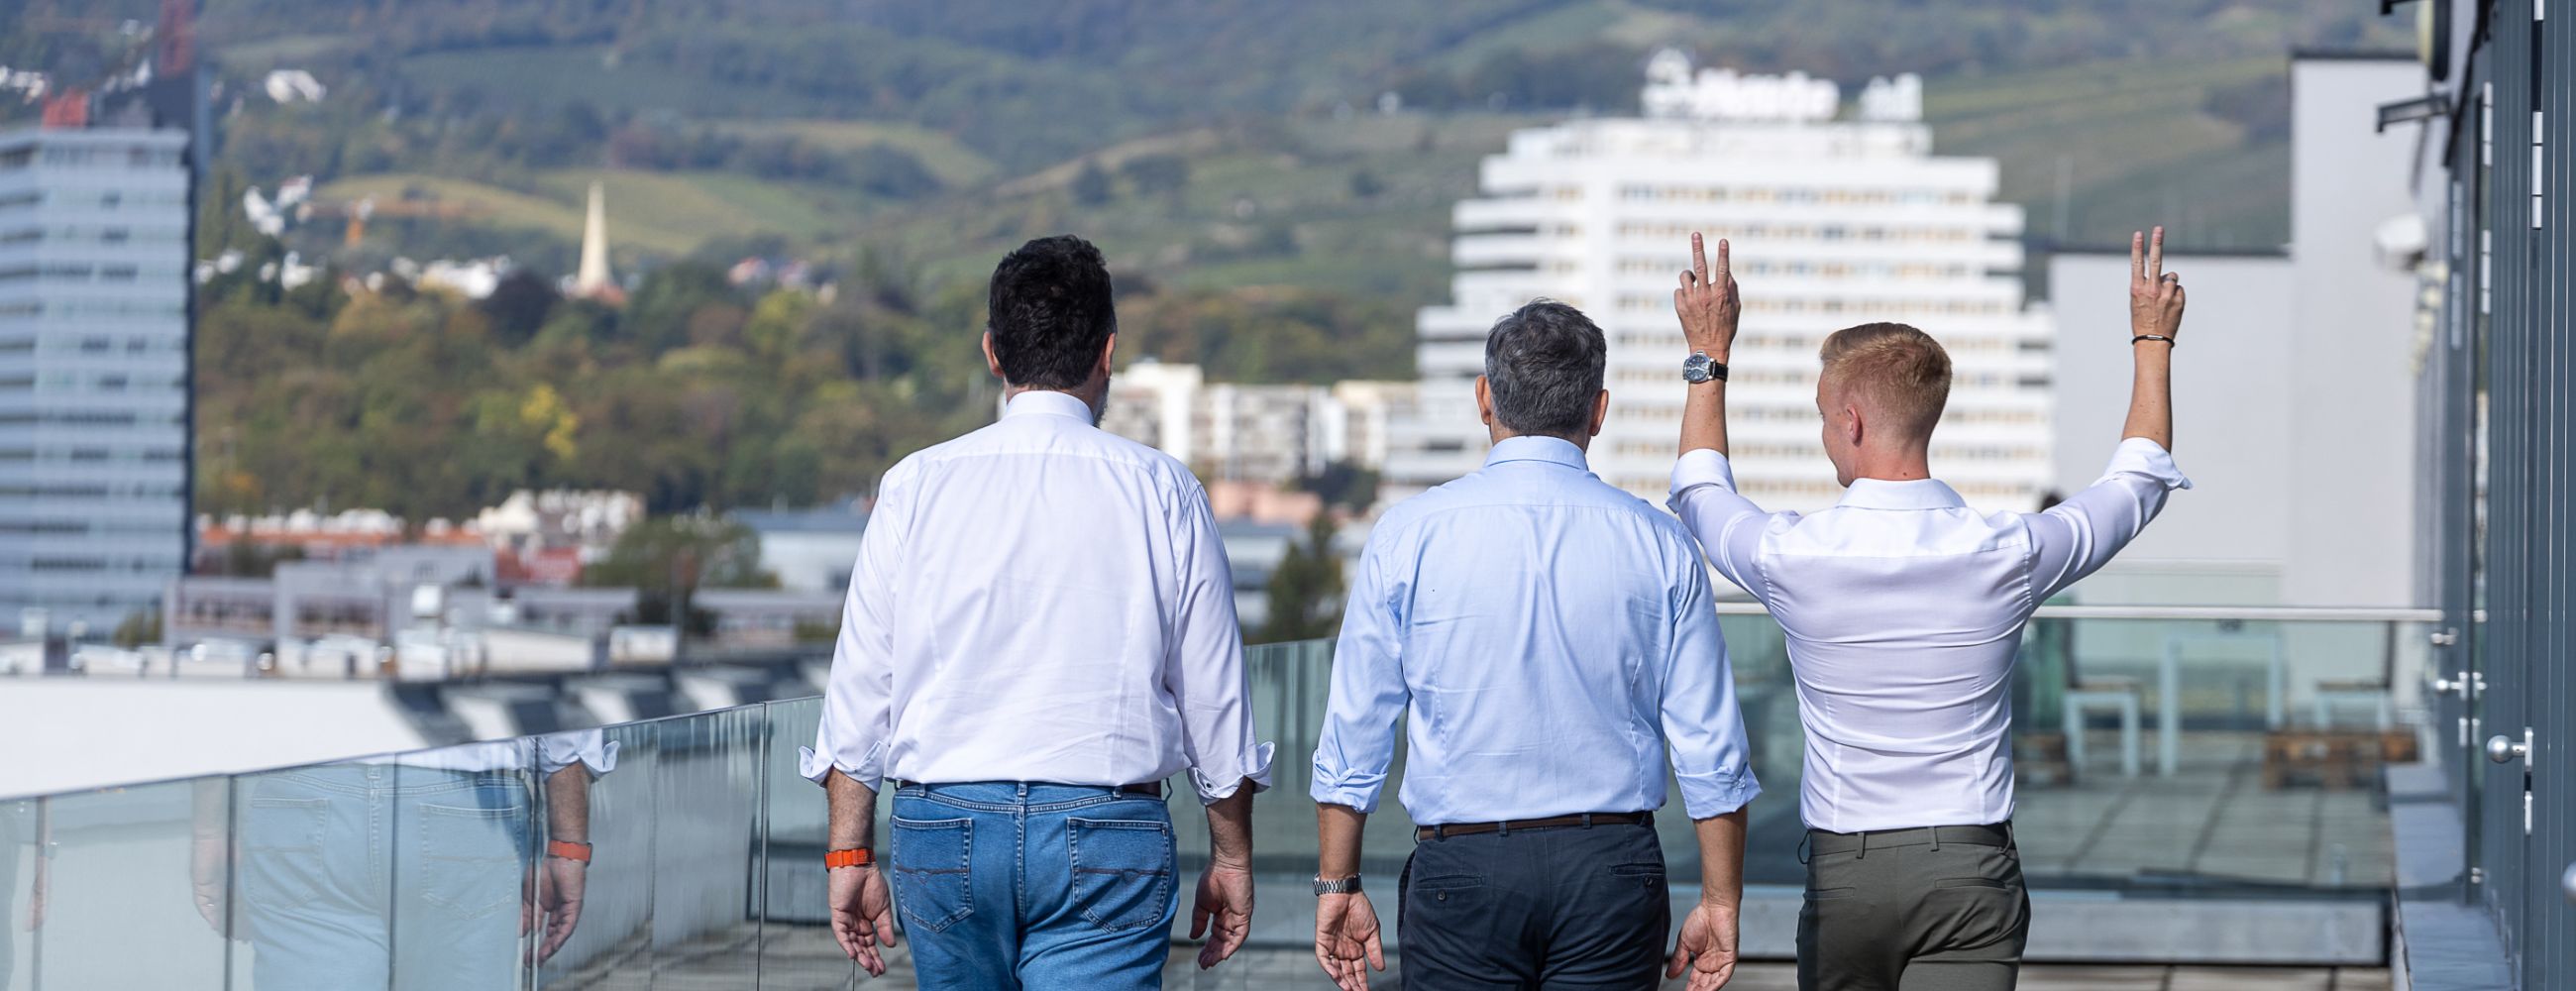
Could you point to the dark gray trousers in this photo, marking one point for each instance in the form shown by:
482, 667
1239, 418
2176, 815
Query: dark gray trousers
1561, 907
1913, 910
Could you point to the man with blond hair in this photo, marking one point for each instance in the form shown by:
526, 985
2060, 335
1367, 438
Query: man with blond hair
1903, 609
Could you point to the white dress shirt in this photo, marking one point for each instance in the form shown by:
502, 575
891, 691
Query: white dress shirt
1040, 600
1904, 609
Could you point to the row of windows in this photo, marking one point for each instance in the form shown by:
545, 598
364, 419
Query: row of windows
108, 382
85, 528
1637, 302
106, 199
93, 455
1803, 414
1808, 342
1899, 233
1643, 193
84, 418
1640, 265
140, 158
132, 490
93, 235
92, 308
91, 345
78, 272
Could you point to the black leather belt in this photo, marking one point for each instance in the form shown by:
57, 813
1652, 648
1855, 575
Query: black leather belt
1428, 833
1150, 789
1821, 842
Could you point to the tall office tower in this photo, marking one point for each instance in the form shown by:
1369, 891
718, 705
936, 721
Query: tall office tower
94, 285
1838, 216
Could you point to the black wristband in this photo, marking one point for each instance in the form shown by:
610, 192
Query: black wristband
2151, 337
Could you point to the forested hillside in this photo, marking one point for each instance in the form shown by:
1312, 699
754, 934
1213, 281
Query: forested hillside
1263, 215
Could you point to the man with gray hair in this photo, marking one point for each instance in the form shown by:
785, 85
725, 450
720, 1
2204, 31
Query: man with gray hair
1546, 634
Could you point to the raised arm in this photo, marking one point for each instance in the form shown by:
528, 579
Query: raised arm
1709, 307
2077, 537
2155, 316
1728, 525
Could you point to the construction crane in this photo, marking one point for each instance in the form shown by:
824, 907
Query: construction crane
359, 211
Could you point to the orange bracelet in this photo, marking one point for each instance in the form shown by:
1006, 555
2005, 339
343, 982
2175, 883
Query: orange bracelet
861, 857
568, 850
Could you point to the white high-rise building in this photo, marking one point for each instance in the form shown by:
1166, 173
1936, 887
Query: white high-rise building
1838, 216
93, 373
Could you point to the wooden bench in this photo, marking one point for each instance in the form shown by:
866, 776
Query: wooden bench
2333, 758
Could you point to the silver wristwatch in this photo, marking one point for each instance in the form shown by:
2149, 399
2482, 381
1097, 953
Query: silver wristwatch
1699, 367
1343, 886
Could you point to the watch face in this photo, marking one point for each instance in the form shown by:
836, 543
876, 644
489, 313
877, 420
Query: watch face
1696, 368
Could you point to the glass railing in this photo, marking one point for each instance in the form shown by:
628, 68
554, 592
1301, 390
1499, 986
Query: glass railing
2211, 752
2211, 756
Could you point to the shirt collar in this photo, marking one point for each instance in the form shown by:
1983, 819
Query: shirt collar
1042, 402
1552, 450
1921, 493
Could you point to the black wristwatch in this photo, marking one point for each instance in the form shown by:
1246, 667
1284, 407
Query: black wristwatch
1699, 367
1345, 886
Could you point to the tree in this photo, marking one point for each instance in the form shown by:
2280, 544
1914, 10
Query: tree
1343, 484
669, 558
519, 306
1091, 186
1306, 590
1157, 174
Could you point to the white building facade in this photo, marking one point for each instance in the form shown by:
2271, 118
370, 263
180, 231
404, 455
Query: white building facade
94, 367
1255, 433
1837, 216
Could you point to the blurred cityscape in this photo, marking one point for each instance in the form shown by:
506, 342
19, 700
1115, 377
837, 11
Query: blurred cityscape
376, 378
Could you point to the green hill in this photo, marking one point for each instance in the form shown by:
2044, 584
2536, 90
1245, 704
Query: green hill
948, 130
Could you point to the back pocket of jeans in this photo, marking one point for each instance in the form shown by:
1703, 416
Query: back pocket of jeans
931, 871
469, 858
1122, 871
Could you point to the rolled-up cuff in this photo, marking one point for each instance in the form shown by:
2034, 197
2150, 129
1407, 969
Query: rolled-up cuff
1702, 467
1357, 790
1218, 784
815, 766
2140, 456
1709, 794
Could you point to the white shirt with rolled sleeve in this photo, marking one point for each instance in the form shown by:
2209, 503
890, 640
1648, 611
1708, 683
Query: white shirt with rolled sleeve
1040, 601
1904, 609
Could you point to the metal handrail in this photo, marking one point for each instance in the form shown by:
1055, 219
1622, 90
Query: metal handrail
2266, 614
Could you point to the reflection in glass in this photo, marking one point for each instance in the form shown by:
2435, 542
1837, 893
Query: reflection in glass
107, 865
796, 947
609, 947
407, 872
19, 864
706, 846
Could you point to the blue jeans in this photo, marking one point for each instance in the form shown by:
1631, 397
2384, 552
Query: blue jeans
1002, 886
370, 876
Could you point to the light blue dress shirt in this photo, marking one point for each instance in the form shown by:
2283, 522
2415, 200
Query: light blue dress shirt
1547, 634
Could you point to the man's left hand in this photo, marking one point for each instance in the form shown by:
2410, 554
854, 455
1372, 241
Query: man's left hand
560, 883
1706, 948
1223, 914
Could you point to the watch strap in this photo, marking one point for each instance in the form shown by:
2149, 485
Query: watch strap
569, 850
860, 857
2151, 337
1339, 886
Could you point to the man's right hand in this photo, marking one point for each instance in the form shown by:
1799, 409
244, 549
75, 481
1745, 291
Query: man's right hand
2155, 295
1706, 948
1708, 302
862, 915
1346, 939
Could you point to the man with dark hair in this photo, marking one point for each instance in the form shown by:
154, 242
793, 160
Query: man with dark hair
1040, 630
1904, 609
1545, 635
